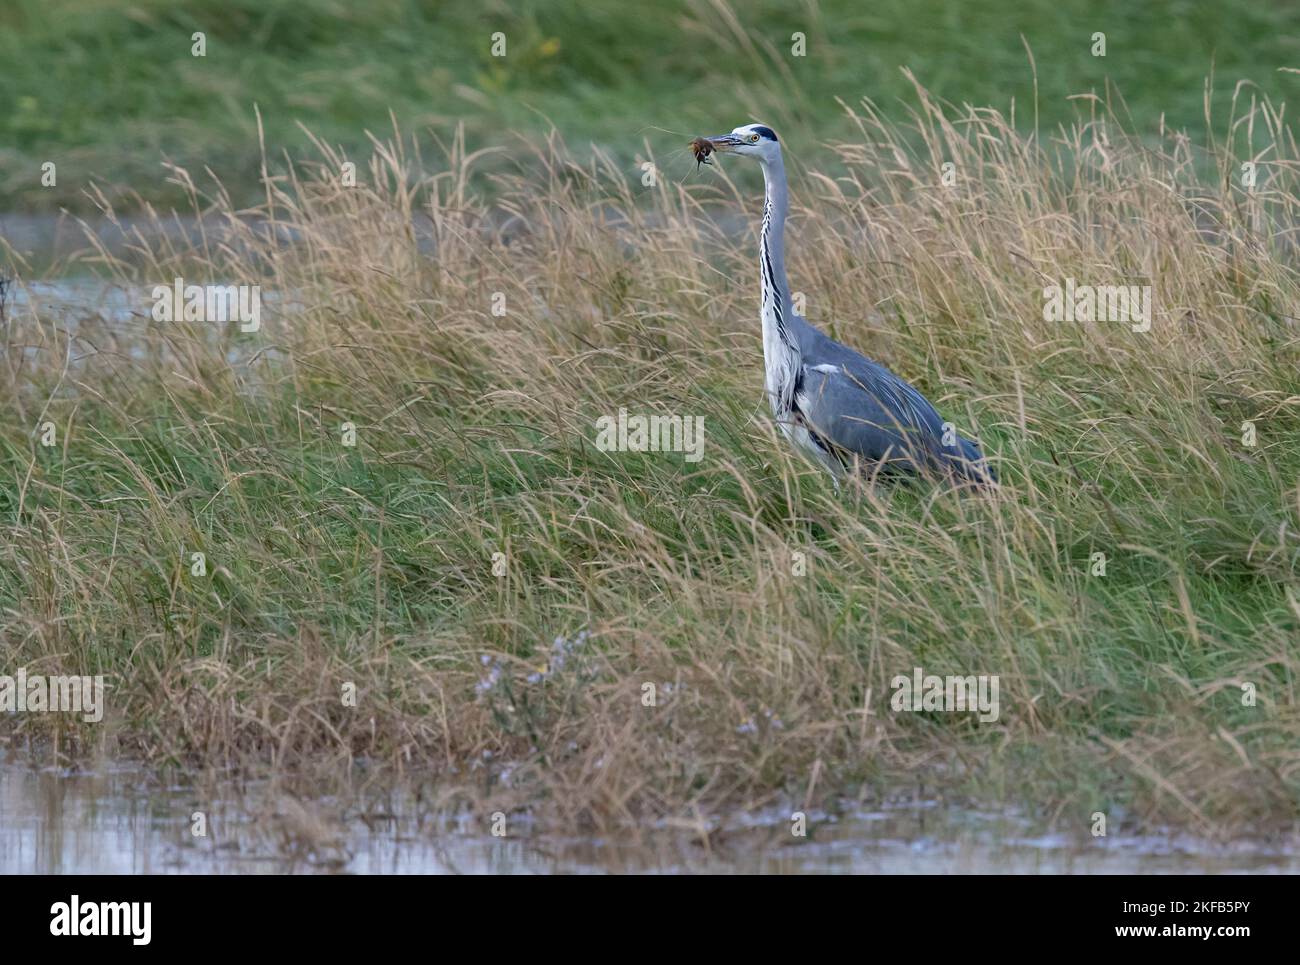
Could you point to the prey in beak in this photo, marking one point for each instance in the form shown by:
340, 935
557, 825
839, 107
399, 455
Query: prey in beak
702, 147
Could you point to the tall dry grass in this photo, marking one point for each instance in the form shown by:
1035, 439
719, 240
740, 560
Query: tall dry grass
374, 564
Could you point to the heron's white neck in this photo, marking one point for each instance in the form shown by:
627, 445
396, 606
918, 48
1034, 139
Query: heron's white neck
780, 347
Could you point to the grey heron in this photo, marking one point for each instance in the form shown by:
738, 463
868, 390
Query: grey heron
832, 403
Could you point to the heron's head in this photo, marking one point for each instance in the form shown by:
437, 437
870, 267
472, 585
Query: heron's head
751, 140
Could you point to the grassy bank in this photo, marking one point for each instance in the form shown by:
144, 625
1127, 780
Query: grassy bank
105, 90
499, 591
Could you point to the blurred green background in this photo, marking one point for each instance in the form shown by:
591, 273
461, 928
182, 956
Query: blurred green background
107, 88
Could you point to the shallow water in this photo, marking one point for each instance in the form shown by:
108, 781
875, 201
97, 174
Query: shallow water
68, 298
113, 822
67, 322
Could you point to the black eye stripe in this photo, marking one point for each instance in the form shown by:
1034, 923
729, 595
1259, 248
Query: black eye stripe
766, 132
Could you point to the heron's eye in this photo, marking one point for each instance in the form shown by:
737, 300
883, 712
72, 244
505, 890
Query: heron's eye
753, 139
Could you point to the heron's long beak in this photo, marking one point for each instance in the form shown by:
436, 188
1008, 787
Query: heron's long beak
722, 143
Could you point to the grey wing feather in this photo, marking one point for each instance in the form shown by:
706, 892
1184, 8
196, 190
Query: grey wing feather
864, 409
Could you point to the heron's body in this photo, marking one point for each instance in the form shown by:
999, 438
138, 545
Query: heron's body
835, 405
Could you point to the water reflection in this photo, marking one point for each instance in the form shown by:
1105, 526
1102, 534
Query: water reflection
114, 822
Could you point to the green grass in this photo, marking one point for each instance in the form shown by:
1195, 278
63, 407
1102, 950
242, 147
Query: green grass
375, 565
106, 90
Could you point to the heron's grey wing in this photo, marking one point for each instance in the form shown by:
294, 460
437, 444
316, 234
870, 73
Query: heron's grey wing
861, 408
866, 410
